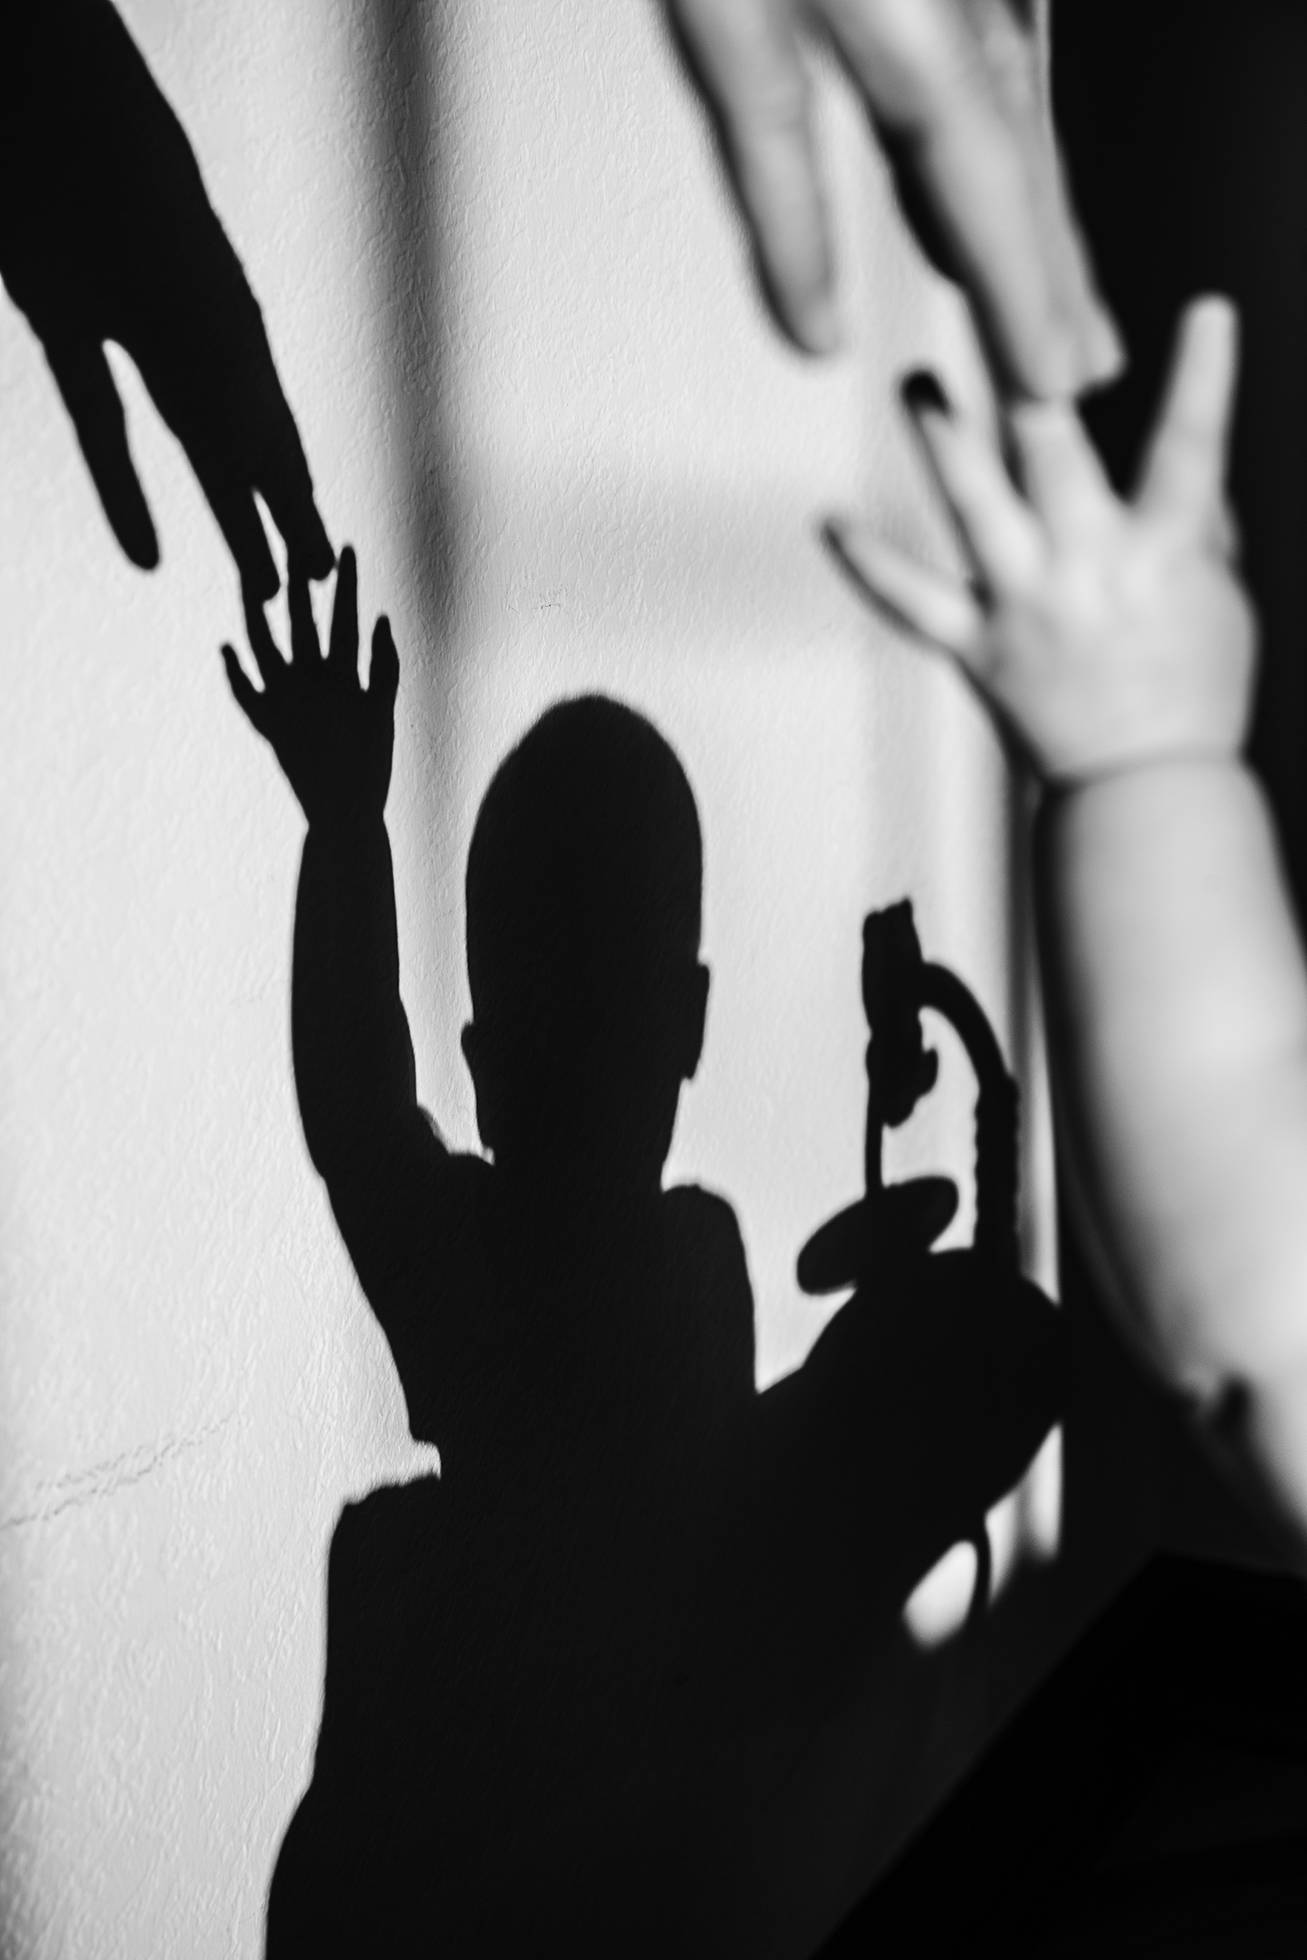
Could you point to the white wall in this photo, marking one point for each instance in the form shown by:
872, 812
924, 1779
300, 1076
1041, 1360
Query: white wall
507, 299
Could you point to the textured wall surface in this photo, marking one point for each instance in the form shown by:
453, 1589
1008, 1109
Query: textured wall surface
511, 310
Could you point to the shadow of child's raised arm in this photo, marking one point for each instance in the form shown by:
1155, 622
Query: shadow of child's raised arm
374, 1147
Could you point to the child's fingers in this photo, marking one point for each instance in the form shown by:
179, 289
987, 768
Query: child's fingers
997, 530
343, 646
267, 654
1184, 470
383, 676
934, 608
1060, 472
252, 704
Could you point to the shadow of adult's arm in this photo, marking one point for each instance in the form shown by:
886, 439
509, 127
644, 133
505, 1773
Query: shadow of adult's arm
953, 89
107, 233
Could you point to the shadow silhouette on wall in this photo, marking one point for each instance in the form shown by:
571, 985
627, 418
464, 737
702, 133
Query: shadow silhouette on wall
569, 1680
107, 234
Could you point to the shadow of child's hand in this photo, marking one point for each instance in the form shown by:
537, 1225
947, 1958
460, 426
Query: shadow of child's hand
333, 737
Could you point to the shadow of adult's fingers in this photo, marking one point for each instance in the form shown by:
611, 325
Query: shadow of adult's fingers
231, 499
82, 377
282, 478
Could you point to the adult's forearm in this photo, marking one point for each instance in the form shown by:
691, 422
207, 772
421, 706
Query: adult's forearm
1178, 1000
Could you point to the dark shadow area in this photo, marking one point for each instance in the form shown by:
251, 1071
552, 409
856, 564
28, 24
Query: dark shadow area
1151, 1799
1185, 140
570, 1683
107, 234
1185, 135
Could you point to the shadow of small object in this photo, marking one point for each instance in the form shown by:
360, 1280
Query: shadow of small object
962, 1329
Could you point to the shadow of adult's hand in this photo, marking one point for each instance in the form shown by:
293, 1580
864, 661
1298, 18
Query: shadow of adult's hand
953, 89
107, 233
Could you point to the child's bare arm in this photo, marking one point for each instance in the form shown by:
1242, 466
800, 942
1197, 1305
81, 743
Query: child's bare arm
353, 1056
1115, 643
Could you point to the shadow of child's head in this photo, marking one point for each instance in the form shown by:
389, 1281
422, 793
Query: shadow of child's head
584, 891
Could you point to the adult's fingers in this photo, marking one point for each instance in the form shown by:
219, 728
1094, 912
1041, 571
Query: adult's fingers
999, 533
1183, 474
343, 645
83, 378
232, 502
287, 489
1061, 473
383, 678
936, 609
304, 648
958, 105
745, 56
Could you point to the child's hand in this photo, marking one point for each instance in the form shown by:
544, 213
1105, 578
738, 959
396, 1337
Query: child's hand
1104, 634
333, 738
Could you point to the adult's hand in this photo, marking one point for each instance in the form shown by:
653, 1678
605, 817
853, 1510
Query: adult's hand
106, 233
953, 88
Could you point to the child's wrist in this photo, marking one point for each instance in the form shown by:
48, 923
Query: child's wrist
1103, 772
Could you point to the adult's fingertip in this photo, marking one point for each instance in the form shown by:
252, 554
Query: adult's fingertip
1038, 359
132, 525
259, 577
319, 559
1105, 351
144, 553
314, 565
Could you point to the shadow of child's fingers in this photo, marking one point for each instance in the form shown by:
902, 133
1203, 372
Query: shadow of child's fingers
267, 654
343, 645
252, 704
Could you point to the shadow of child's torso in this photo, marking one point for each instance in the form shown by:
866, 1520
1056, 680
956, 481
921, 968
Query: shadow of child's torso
534, 1681
580, 1668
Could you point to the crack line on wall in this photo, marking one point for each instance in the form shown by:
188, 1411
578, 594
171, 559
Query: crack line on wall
100, 1480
